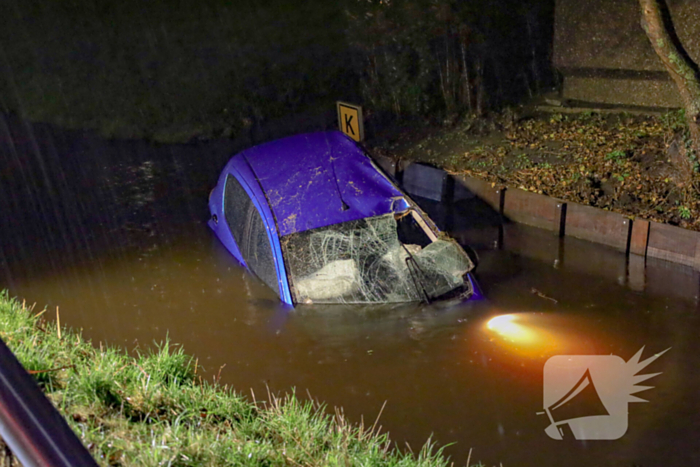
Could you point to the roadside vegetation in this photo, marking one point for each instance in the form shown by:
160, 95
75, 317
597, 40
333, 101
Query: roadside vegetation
221, 69
631, 164
155, 409
168, 73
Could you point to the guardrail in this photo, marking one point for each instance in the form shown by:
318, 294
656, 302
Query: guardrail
30, 426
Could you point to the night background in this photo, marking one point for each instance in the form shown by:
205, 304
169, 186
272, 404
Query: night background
173, 71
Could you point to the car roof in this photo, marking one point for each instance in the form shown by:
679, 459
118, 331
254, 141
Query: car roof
319, 179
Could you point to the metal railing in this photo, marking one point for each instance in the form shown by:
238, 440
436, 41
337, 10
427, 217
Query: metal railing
30, 425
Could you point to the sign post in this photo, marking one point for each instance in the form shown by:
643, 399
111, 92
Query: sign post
350, 120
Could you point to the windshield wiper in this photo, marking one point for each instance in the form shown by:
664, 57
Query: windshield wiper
413, 271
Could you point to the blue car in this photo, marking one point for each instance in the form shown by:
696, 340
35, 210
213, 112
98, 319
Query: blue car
316, 220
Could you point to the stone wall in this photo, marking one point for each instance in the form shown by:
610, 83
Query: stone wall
605, 57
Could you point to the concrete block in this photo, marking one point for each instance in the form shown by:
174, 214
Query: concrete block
605, 57
529, 242
637, 92
460, 191
674, 244
489, 193
597, 225
386, 163
534, 209
399, 168
424, 181
640, 237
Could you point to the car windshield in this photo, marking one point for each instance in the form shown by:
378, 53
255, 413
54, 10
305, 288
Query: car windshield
373, 260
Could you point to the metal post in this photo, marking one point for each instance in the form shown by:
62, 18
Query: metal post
33, 429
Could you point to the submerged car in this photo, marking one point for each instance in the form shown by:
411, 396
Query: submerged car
316, 220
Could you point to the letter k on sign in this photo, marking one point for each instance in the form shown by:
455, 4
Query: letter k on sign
350, 120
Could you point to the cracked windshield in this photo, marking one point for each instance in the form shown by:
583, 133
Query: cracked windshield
365, 262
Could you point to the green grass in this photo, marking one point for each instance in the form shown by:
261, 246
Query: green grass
154, 409
617, 156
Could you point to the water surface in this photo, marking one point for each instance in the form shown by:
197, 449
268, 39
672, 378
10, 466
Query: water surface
113, 233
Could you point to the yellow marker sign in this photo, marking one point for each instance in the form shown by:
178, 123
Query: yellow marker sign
350, 121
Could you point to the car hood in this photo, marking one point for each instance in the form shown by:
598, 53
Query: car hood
320, 179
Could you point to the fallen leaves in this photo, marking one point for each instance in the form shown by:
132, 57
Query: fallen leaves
614, 162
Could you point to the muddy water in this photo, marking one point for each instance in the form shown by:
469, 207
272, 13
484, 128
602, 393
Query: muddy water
113, 233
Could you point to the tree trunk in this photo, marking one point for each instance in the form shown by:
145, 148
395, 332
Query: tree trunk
681, 69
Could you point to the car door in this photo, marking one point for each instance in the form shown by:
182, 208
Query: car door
250, 232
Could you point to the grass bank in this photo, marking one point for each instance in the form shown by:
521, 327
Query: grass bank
154, 409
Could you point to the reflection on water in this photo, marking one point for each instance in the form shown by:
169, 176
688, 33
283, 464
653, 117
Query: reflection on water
534, 335
470, 374
513, 329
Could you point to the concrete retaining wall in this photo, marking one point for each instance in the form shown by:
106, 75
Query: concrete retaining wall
426, 180
605, 57
637, 238
597, 225
674, 244
536, 210
487, 192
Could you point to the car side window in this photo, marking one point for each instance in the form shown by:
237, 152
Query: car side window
249, 231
